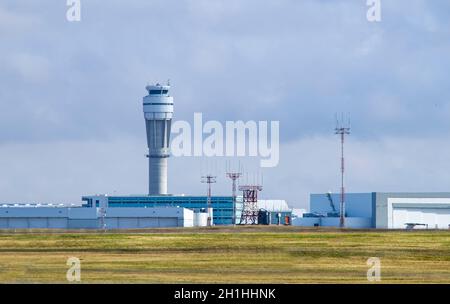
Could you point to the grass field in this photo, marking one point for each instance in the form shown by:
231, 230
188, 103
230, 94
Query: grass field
226, 255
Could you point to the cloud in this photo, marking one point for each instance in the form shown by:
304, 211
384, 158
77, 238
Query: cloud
291, 60
12, 22
29, 67
76, 88
61, 172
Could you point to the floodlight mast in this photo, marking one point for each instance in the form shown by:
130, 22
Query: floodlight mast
234, 176
209, 179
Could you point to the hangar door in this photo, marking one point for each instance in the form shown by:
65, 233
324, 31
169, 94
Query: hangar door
135, 222
433, 217
168, 222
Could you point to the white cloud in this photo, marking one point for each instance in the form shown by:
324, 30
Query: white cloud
12, 22
58, 172
30, 67
63, 172
292, 61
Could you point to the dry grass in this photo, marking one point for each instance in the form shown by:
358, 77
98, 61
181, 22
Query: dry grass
226, 255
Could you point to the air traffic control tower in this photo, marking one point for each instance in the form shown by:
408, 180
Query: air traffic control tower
158, 112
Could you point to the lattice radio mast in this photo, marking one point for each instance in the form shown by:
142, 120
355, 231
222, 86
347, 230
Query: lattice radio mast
249, 214
342, 129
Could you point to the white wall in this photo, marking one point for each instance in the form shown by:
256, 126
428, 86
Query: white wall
200, 219
350, 222
87, 218
434, 212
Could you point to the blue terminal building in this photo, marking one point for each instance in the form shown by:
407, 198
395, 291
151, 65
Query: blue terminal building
222, 205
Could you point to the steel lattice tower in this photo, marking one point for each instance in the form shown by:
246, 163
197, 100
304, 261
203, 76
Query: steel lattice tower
342, 131
249, 214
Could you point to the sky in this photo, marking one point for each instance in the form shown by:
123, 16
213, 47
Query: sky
71, 120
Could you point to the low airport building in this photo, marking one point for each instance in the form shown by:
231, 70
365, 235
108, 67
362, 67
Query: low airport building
54, 217
134, 212
222, 206
384, 210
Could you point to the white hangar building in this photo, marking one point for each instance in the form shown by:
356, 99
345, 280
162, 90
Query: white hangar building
55, 217
384, 210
